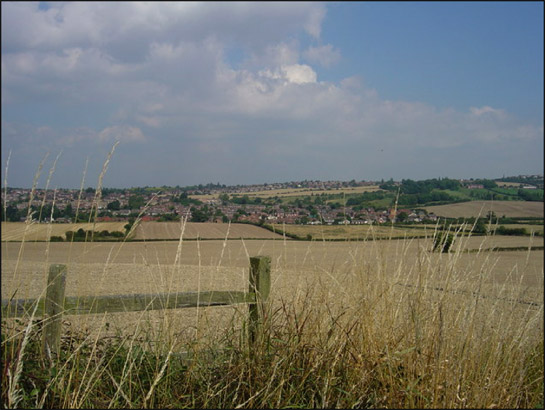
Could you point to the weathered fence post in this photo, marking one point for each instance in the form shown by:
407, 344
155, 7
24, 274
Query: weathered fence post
53, 308
260, 284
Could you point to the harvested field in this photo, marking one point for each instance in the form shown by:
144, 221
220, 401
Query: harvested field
16, 231
499, 241
500, 208
149, 267
354, 232
172, 230
369, 232
388, 285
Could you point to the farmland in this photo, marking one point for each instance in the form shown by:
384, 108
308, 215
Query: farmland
369, 296
297, 266
138, 266
156, 231
353, 232
16, 231
481, 208
294, 192
362, 308
172, 230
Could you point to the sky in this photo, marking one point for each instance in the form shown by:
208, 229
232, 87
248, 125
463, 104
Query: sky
263, 92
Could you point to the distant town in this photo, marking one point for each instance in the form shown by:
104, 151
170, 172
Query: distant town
311, 202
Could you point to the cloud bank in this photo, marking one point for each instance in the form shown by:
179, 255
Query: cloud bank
162, 79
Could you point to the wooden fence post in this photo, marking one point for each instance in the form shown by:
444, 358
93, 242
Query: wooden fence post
260, 284
53, 308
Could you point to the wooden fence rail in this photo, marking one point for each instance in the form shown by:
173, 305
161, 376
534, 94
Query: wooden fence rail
56, 304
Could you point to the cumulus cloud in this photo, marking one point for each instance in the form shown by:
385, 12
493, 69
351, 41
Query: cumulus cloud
323, 55
114, 25
124, 133
165, 67
299, 73
295, 73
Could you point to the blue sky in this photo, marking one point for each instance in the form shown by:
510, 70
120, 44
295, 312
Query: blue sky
242, 93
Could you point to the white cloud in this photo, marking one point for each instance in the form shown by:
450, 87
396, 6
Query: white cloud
166, 66
295, 73
324, 55
133, 25
487, 111
314, 24
299, 73
121, 133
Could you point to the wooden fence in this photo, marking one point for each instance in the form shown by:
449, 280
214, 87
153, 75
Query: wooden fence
56, 304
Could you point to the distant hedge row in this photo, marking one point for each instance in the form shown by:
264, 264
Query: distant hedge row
82, 235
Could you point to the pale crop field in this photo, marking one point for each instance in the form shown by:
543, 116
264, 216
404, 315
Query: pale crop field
17, 231
193, 230
354, 232
446, 317
112, 268
481, 208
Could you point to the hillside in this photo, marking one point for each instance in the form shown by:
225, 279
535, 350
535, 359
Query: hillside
474, 208
172, 230
16, 231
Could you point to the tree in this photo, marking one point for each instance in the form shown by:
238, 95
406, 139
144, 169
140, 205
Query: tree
128, 226
480, 226
68, 211
114, 205
199, 215
402, 216
12, 214
136, 202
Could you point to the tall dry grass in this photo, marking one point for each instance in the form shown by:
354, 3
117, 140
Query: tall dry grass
380, 330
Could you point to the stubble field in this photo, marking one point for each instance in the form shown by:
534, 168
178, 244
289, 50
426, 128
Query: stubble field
126, 268
193, 230
481, 208
16, 231
19, 231
465, 328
